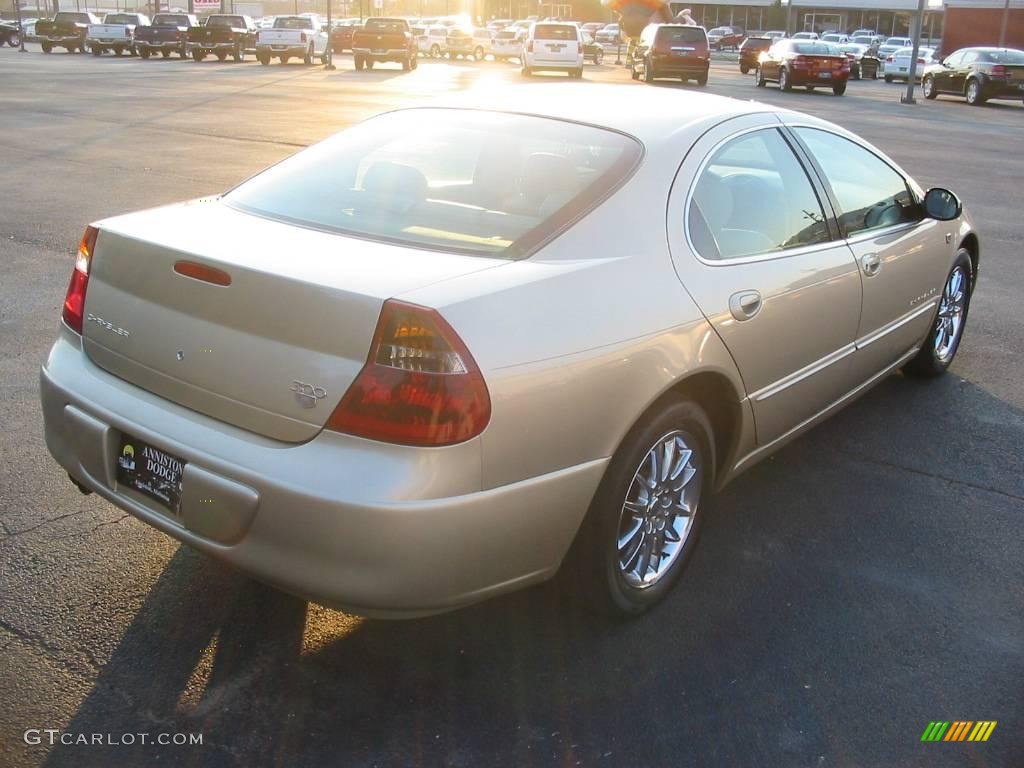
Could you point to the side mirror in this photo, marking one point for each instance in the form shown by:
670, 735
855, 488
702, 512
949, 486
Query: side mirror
941, 204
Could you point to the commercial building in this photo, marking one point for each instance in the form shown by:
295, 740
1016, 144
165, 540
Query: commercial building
983, 22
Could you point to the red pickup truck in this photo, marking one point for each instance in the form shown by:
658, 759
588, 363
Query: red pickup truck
384, 39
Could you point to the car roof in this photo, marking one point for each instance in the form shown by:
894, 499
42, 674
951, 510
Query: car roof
652, 115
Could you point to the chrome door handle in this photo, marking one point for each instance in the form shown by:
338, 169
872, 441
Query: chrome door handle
871, 263
745, 305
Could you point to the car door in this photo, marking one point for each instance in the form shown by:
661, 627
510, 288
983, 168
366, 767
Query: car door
944, 77
958, 76
902, 255
753, 246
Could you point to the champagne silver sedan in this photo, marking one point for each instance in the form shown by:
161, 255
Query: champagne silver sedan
451, 350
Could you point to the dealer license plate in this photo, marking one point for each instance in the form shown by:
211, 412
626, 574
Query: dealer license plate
150, 471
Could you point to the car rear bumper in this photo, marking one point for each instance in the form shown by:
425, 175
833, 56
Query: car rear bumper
376, 529
692, 67
808, 78
277, 49
61, 39
211, 47
160, 44
998, 90
390, 54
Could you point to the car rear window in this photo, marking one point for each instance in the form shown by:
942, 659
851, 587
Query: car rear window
1008, 56
815, 49
680, 35
554, 32
292, 22
385, 25
225, 21
467, 181
120, 18
171, 20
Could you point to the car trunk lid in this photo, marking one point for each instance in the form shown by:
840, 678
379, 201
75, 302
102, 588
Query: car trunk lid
273, 351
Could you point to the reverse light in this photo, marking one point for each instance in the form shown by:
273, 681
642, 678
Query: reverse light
419, 386
74, 301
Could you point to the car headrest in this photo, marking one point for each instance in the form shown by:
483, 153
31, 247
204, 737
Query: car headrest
398, 187
545, 173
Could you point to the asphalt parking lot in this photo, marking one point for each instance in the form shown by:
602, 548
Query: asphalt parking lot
865, 581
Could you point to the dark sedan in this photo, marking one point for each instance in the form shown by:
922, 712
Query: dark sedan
977, 74
804, 62
341, 36
750, 51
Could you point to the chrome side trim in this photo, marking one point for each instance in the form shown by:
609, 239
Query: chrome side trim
803, 373
768, 447
874, 336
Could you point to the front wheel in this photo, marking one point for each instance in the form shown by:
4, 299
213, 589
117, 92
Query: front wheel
238, 54
197, 55
143, 53
644, 521
47, 48
435, 52
744, 69
263, 58
928, 87
96, 51
221, 55
307, 59
478, 53
703, 79
784, 84
598, 57
888, 78
943, 341
359, 63
759, 80
648, 72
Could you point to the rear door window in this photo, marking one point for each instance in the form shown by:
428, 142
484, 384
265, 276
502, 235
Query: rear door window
554, 32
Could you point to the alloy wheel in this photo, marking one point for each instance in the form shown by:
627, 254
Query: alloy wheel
658, 512
950, 321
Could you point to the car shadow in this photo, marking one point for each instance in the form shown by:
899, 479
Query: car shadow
820, 575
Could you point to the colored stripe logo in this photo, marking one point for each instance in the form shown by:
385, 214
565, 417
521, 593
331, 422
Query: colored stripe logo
958, 730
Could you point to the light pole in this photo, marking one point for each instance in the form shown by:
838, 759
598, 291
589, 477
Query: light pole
908, 97
1002, 29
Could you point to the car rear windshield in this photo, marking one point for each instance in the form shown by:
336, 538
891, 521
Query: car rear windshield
171, 20
467, 181
385, 25
554, 32
120, 18
1008, 56
815, 49
292, 22
680, 35
225, 21
506, 35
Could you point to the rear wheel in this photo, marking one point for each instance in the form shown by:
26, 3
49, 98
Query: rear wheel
435, 51
784, 84
284, 58
759, 80
308, 57
369, 63
943, 340
478, 53
703, 79
414, 61
928, 88
974, 95
359, 63
222, 55
839, 89
744, 69
238, 54
645, 519
46, 47
166, 53
598, 56
198, 55
143, 53
648, 72
119, 51
263, 58
888, 78
96, 51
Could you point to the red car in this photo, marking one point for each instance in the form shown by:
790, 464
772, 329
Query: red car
341, 36
721, 38
671, 50
809, 63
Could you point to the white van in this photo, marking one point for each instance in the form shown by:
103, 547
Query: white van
553, 46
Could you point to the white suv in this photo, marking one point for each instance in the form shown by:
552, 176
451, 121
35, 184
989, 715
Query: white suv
554, 46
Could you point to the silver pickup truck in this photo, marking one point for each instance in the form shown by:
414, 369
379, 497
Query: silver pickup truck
303, 37
116, 33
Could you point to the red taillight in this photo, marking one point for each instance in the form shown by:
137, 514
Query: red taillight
888, 59
420, 385
74, 301
800, 62
998, 71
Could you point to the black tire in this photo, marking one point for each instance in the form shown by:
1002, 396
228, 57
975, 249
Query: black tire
973, 92
888, 78
648, 72
14, 40
928, 88
759, 80
359, 63
47, 48
478, 53
784, 84
839, 88
633, 73
238, 54
96, 51
143, 53
119, 51
222, 55
928, 363
435, 51
744, 69
415, 62
598, 57
166, 53
593, 562
703, 79
197, 55
369, 63
263, 58
324, 59
307, 57
406, 65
